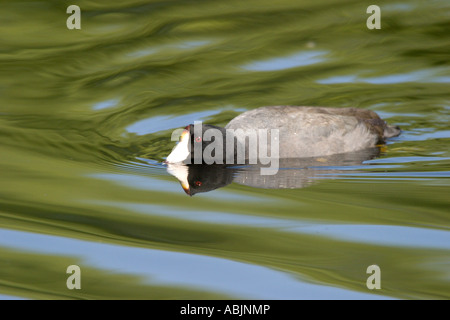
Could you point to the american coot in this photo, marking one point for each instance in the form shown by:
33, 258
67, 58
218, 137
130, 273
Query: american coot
290, 132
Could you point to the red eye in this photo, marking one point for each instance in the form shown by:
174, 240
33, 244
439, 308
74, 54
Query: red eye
198, 183
198, 139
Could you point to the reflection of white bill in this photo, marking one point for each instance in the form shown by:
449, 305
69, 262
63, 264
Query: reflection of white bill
181, 172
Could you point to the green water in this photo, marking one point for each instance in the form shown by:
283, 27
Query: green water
86, 118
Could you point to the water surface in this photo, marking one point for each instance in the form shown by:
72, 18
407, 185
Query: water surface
86, 118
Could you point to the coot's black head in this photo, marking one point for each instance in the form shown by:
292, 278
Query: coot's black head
199, 144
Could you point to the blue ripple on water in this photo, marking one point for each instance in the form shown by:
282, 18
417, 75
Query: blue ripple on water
303, 58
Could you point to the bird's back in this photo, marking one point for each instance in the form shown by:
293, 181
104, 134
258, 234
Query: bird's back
313, 131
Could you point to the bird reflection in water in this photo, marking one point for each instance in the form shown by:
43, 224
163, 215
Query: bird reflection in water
292, 173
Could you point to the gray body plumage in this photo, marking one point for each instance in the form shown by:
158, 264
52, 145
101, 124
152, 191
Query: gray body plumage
315, 131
